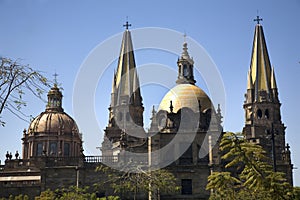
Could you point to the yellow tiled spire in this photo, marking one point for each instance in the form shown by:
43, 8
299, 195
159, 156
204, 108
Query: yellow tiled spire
126, 79
260, 67
249, 82
273, 80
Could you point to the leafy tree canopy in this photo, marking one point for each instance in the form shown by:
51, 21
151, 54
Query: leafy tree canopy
256, 179
143, 181
70, 193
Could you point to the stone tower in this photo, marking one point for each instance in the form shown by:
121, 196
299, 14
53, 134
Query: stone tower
126, 107
263, 123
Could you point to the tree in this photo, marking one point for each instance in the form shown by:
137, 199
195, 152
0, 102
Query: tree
67, 194
256, 179
46, 195
138, 180
19, 197
297, 193
110, 198
15, 80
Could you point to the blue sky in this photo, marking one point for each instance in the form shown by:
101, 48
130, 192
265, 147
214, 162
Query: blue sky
58, 35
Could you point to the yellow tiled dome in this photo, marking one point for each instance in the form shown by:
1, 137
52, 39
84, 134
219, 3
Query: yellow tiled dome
185, 95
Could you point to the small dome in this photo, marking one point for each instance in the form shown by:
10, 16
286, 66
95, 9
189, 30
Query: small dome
53, 132
185, 96
54, 119
53, 122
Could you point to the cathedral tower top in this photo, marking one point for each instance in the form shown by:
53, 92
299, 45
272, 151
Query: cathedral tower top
261, 74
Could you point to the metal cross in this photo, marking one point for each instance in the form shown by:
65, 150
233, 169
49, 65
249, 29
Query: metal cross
55, 77
127, 25
258, 19
184, 37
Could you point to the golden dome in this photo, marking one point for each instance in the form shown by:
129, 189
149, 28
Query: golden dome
53, 122
185, 95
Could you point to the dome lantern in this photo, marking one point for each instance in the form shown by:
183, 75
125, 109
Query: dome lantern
54, 100
185, 67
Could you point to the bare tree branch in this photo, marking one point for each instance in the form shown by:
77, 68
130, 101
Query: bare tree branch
16, 80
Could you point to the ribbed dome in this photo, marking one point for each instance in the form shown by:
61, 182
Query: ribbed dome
185, 95
53, 132
53, 119
53, 122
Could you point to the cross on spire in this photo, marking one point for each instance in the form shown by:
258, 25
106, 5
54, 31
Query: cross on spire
184, 37
55, 78
127, 25
258, 19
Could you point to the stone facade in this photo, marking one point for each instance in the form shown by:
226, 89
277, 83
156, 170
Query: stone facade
183, 137
31, 177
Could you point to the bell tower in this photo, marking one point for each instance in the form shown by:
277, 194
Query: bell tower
263, 123
126, 107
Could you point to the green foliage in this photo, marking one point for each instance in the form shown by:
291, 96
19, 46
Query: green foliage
110, 198
296, 193
15, 81
70, 193
19, 197
256, 180
46, 195
224, 184
138, 180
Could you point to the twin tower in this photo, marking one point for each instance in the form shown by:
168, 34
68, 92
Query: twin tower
186, 109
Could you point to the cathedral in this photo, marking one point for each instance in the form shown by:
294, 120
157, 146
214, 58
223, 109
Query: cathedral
183, 137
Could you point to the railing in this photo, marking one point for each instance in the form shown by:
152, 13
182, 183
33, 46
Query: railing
53, 161
100, 159
93, 159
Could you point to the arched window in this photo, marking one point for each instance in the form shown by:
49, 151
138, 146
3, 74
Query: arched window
180, 69
185, 70
267, 114
39, 151
53, 148
66, 149
259, 114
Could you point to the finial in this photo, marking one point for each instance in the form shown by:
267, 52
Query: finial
55, 78
153, 110
219, 109
7, 155
126, 24
258, 19
171, 107
184, 37
17, 154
